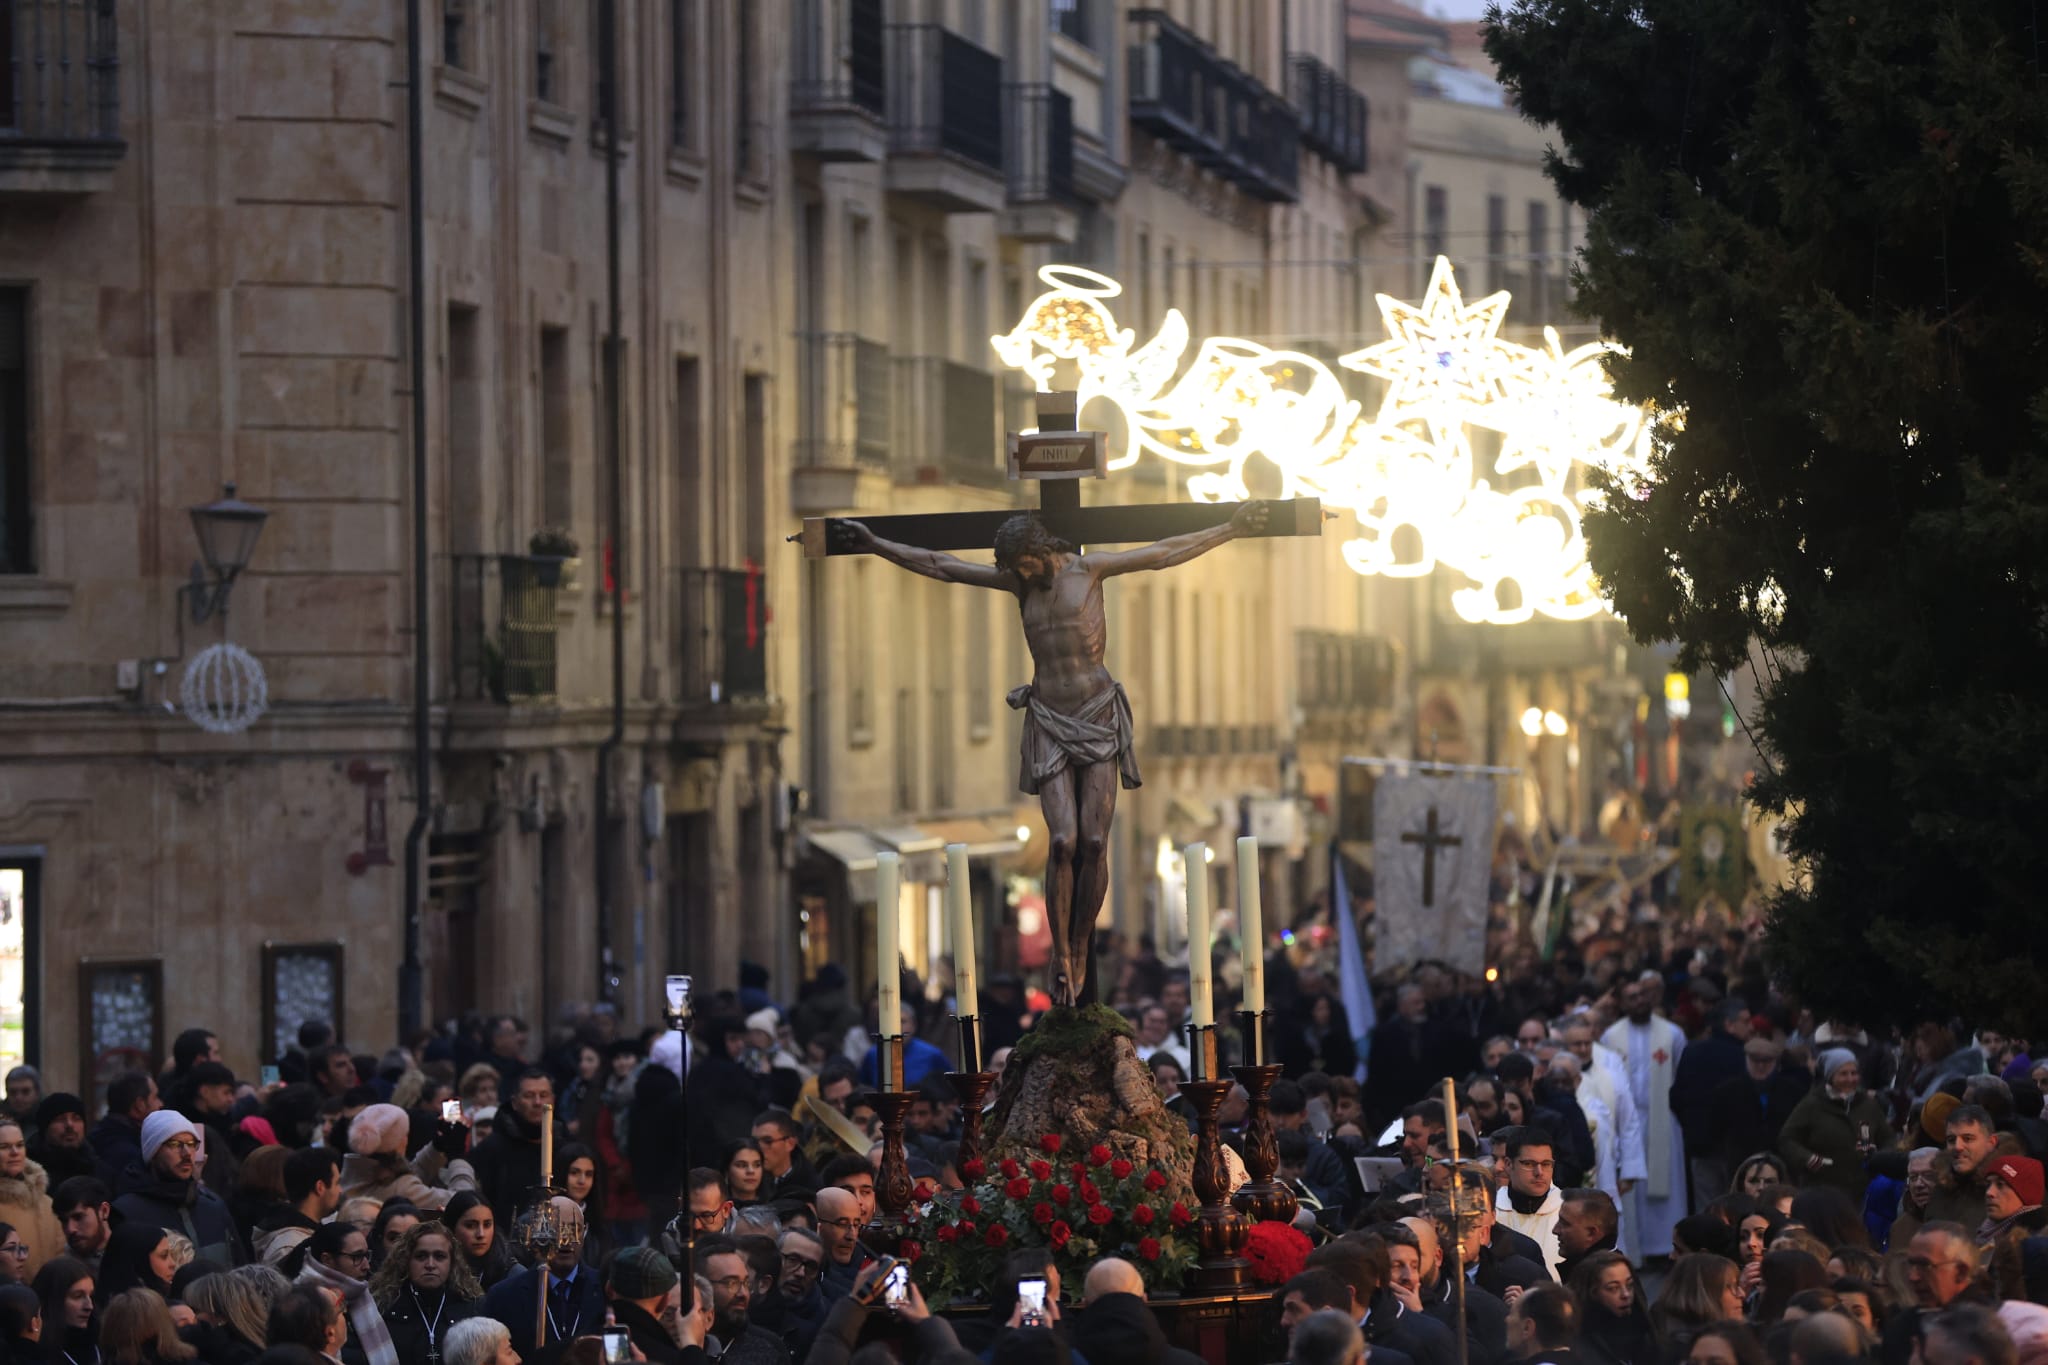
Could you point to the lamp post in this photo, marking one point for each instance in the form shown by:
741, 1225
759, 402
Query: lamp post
677, 1010
227, 529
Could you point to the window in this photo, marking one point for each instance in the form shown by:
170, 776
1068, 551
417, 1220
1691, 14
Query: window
1436, 220
546, 38
1070, 17
464, 406
693, 491
681, 35
121, 1021
747, 133
558, 470
1539, 259
754, 448
1496, 241
17, 516
455, 33
302, 984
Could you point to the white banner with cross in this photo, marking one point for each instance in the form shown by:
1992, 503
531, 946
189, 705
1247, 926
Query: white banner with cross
1432, 854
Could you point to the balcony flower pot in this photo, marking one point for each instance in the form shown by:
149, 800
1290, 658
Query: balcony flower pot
547, 569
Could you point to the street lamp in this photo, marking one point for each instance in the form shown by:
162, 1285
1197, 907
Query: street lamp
227, 531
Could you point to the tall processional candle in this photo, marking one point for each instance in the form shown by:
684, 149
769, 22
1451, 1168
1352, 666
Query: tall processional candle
1250, 923
547, 1148
1201, 995
960, 918
888, 947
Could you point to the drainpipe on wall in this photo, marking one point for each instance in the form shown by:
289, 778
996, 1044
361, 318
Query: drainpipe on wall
410, 976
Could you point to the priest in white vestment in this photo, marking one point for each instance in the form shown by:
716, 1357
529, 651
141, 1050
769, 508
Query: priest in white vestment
1649, 1045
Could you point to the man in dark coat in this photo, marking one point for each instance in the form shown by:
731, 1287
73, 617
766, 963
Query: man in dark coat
1716, 1057
163, 1191
575, 1298
116, 1140
59, 1145
1410, 1053
507, 1163
1747, 1110
641, 1283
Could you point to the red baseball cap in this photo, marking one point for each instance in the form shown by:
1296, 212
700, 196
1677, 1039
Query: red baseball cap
2023, 1174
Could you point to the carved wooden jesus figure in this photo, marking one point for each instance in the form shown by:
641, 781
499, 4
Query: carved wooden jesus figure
1077, 722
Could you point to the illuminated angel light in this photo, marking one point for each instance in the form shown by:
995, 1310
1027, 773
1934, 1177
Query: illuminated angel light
1511, 526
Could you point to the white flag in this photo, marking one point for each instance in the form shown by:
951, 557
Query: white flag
1351, 978
1432, 853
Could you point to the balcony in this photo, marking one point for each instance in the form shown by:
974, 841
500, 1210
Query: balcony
843, 417
60, 99
946, 423
1210, 110
1340, 679
1333, 115
724, 637
504, 624
945, 120
838, 89
1038, 133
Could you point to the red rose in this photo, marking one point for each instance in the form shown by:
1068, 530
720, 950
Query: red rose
925, 1192
1061, 1194
1097, 1154
1155, 1180
1179, 1216
970, 1205
966, 1226
1148, 1248
1041, 1170
1142, 1215
1089, 1194
997, 1235
1119, 1168
973, 1170
1099, 1214
911, 1251
1018, 1189
1059, 1233
947, 1234
1041, 1213
1050, 1143
1010, 1169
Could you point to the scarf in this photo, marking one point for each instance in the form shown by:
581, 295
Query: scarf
364, 1319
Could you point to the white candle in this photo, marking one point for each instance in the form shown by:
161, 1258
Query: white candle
1248, 919
1201, 996
888, 945
960, 918
547, 1148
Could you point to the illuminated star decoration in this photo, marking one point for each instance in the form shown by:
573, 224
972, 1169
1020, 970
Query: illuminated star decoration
1408, 473
1444, 353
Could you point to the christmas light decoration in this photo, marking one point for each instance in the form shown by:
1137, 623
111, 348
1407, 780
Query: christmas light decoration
1510, 524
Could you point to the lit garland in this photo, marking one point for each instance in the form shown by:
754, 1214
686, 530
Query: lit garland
1408, 473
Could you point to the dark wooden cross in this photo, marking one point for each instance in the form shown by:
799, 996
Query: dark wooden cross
1431, 840
1059, 507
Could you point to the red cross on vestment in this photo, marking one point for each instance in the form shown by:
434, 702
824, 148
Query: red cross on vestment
1660, 1056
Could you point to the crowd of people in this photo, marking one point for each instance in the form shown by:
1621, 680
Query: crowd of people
1655, 1159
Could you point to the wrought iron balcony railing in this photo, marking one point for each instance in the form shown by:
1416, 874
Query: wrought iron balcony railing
504, 628
1333, 115
945, 95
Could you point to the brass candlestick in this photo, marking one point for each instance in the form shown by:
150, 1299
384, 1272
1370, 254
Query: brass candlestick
1261, 1198
1221, 1268
972, 1087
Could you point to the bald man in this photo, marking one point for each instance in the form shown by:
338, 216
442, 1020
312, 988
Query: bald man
1111, 1275
839, 1228
1114, 1323
575, 1293
1486, 1315
1820, 1337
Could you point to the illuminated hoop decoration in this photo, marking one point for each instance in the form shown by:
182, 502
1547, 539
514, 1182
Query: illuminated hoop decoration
224, 691
1514, 530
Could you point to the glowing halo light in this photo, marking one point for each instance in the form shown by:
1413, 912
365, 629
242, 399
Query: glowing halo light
1514, 530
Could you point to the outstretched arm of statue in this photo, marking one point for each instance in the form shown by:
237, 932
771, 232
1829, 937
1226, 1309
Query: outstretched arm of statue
854, 535
1249, 519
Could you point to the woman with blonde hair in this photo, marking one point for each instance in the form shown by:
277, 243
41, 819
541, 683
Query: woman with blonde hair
234, 1319
478, 1088
25, 1202
136, 1329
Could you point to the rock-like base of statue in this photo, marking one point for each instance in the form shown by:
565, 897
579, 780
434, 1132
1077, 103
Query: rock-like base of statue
1077, 1074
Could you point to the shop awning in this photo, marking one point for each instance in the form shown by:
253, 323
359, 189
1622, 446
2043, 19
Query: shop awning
924, 856
854, 847
984, 838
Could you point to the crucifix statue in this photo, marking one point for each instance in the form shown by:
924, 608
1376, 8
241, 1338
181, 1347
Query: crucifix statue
1078, 740
1431, 840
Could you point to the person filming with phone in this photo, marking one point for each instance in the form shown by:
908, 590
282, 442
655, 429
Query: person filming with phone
885, 1287
720, 1261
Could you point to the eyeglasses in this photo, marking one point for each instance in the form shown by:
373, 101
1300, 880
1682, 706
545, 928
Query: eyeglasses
843, 1224
182, 1145
707, 1218
773, 1137
789, 1262
16, 1250
362, 1255
733, 1283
